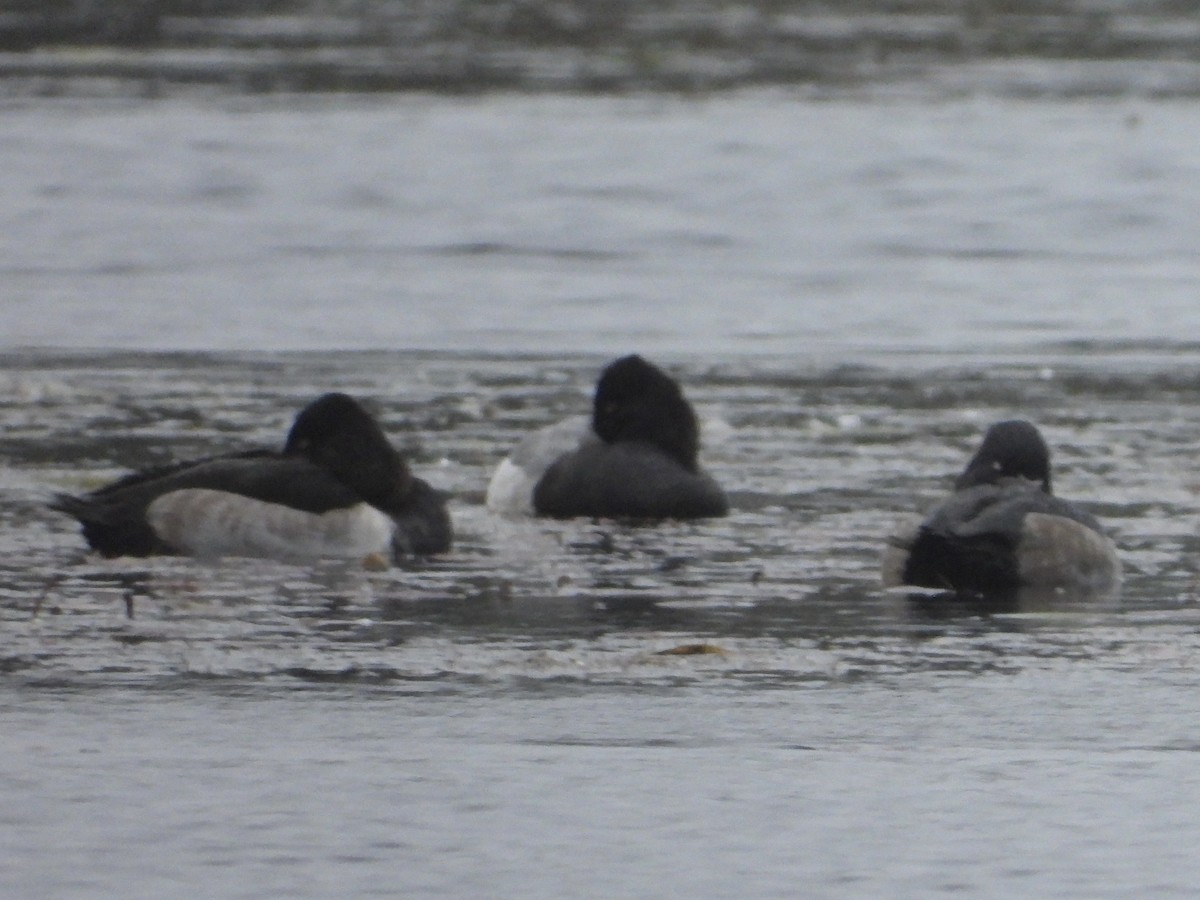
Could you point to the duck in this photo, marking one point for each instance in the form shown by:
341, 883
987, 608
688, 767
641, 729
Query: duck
338, 488
1003, 530
635, 457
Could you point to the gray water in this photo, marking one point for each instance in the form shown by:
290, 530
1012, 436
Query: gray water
755, 223
850, 290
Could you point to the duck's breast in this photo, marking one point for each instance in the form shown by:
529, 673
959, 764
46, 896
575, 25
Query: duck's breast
626, 479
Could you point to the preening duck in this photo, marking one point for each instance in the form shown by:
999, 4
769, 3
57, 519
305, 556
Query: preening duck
1003, 529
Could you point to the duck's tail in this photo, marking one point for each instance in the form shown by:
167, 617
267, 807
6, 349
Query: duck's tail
107, 528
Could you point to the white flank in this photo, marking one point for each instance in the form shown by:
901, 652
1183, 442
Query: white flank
216, 523
510, 491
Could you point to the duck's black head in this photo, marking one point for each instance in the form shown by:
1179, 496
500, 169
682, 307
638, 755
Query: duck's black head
336, 433
1012, 449
636, 401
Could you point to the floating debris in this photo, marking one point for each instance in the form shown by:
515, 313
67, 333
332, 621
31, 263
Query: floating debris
693, 650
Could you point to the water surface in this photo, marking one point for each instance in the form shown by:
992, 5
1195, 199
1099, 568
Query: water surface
479, 722
764, 222
850, 290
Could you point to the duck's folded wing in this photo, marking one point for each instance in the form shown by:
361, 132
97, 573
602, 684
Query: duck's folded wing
1002, 510
165, 473
285, 480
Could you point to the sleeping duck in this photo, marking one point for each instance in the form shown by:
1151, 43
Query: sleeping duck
337, 488
636, 458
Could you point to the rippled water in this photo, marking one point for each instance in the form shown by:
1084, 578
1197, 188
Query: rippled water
477, 722
850, 291
768, 222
